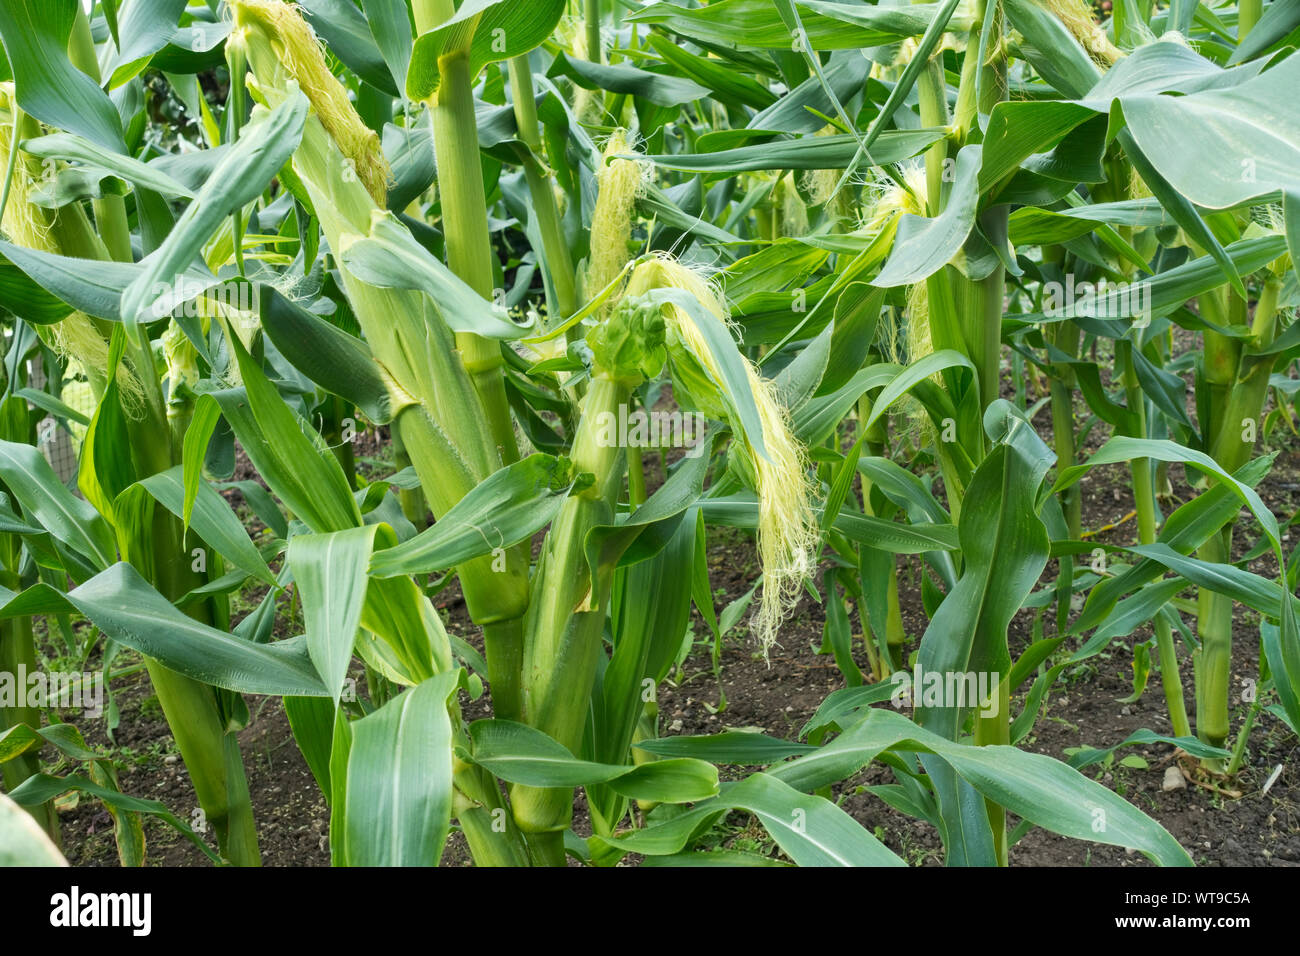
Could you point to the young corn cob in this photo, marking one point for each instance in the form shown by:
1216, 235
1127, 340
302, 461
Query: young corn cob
299, 53
1079, 20
620, 182
787, 532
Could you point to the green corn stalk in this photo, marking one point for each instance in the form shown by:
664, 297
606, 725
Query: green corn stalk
540, 187
1065, 336
470, 256
567, 612
193, 711
1236, 406
1144, 481
964, 314
1144, 499
110, 210
591, 21
985, 303
464, 213
209, 748
444, 426
894, 636
18, 651
414, 506
1248, 14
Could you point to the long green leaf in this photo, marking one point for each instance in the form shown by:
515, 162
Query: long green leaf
124, 606
239, 178
397, 789
509, 506
330, 571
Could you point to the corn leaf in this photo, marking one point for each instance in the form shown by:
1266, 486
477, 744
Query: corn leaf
330, 572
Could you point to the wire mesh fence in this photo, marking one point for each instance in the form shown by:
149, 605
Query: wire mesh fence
59, 439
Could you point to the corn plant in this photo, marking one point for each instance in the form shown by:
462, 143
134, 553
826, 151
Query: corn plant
501, 231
